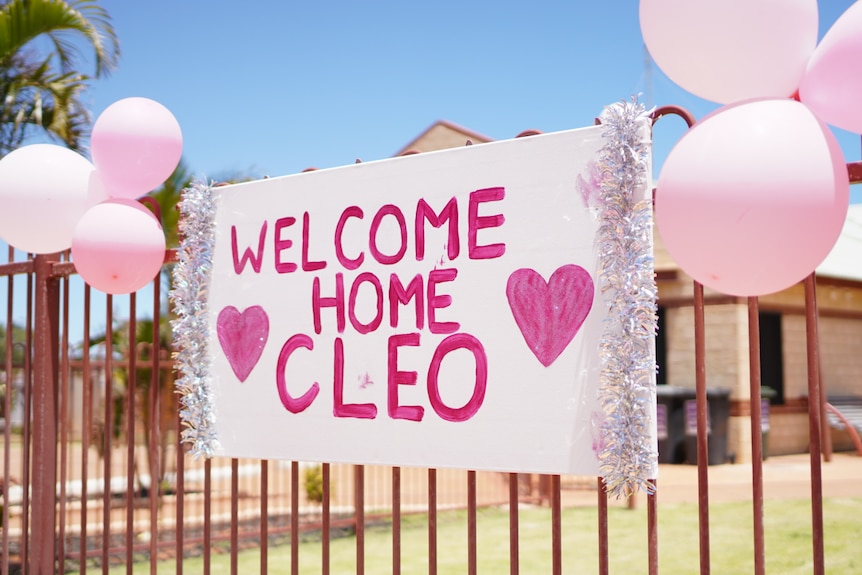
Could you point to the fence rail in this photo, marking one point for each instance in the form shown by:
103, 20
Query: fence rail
91, 453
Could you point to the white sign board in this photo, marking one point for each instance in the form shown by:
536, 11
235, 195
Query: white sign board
434, 310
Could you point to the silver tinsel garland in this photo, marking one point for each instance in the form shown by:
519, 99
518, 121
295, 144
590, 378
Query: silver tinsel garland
627, 282
191, 277
616, 190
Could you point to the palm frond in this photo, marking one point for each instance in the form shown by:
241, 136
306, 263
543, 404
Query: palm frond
22, 21
41, 90
167, 196
34, 97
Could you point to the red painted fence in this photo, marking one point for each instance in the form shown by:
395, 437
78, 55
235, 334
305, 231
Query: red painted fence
94, 476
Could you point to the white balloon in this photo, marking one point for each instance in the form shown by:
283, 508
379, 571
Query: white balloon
44, 191
731, 50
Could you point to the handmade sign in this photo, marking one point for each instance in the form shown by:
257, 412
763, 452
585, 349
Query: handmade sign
438, 310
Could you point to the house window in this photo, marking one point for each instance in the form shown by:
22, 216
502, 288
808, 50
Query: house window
771, 355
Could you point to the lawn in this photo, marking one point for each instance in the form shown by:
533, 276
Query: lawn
788, 542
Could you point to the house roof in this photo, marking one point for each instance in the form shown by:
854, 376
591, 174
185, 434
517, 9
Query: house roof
845, 259
843, 262
442, 135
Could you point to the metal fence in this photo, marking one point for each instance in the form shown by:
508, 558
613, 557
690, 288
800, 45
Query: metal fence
94, 476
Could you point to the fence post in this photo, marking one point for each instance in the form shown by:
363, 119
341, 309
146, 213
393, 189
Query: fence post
45, 377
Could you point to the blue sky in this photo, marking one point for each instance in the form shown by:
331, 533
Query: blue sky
271, 88
274, 87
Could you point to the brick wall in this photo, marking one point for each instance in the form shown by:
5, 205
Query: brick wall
788, 433
726, 347
727, 365
840, 356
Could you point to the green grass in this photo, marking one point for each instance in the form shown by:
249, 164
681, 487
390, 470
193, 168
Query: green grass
787, 532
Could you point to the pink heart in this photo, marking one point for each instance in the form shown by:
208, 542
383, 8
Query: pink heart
550, 314
242, 337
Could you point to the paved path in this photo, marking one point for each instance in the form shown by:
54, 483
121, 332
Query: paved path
784, 477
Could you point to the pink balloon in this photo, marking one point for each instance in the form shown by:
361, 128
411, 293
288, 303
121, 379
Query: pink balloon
753, 198
136, 144
118, 246
832, 84
44, 190
731, 50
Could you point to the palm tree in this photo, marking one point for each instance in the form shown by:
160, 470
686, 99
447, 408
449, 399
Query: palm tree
167, 196
164, 200
8, 363
42, 88
141, 344
151, 341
